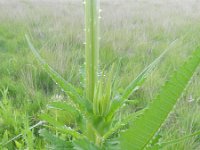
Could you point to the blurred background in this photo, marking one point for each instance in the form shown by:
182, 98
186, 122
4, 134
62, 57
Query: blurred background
135, 31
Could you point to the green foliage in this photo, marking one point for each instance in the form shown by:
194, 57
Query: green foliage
135, 85
54, 141
145, 127
99, 108
67, 87
94, 113
103, 96
97, 125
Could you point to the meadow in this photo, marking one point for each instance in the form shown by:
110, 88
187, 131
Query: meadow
133, 34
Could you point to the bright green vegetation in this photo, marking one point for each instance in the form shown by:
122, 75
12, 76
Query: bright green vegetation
89, 109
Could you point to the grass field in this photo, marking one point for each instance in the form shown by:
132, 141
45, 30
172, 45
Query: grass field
134, 31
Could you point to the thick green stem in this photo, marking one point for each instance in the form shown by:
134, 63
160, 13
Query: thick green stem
92, 17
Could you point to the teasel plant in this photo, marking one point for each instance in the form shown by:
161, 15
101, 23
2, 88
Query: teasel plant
96, 109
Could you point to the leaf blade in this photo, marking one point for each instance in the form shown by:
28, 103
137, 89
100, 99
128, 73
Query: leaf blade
68, 88
146, 126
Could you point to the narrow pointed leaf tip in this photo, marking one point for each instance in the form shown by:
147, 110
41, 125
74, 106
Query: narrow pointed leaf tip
136, 83
143, 129
143, 75
68, 88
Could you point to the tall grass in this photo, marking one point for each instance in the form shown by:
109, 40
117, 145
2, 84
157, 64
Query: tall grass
98, 109
99, 114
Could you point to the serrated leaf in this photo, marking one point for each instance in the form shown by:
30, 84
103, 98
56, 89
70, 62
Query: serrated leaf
145, 127
55, 142
136, 83
122, 123
59, 126
68, 88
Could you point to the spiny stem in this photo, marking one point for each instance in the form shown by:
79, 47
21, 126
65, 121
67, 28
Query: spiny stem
92, 17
